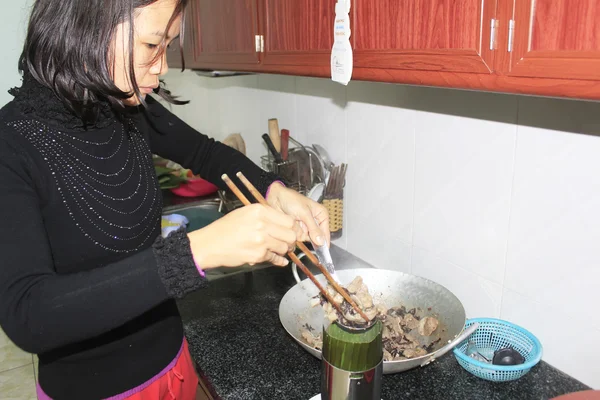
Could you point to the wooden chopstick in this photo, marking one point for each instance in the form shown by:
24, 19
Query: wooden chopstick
291, 254
259, 197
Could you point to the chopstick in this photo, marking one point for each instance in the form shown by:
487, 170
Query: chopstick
259, 197
291, 254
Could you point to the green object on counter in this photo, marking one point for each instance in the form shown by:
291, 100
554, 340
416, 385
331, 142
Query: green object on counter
169, 178
354, 351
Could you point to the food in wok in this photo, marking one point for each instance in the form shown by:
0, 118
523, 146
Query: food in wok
403, 330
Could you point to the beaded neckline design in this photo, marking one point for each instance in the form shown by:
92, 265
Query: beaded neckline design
105, 180
39, 102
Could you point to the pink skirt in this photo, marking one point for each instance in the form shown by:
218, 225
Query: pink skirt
177, 381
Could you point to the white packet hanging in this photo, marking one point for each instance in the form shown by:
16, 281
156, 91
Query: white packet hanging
341, 53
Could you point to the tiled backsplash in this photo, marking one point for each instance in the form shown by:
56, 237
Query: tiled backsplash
494, 196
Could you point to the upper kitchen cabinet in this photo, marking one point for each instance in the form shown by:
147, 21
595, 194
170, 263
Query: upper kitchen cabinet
297, 32
553, 39
225, 32
427, 35
174, 52
534, 47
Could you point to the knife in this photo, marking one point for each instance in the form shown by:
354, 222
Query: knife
285, 142
272, 149
274, 133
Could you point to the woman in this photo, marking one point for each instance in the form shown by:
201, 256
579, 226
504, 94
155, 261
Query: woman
86, 281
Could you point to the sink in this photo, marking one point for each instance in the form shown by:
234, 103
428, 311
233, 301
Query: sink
201, 214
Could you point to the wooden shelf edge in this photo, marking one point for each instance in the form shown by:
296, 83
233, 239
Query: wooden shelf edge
546, 87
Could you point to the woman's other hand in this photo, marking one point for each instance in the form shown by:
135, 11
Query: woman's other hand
312, 217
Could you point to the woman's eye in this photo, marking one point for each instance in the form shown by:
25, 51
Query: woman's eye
152, 46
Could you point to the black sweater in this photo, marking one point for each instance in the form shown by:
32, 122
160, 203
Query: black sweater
86, 281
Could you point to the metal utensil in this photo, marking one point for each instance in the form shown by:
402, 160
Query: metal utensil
321, 152
272, 148
325, 258
474, 352
452, 344
259, 197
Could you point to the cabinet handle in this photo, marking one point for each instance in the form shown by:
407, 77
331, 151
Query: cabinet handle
511, 34
259, 43
493, 33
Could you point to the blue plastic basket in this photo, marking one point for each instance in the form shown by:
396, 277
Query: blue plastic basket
497, 334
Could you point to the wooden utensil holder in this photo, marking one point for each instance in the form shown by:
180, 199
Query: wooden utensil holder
335, 208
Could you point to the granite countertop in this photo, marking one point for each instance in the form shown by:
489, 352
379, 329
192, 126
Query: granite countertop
239, 344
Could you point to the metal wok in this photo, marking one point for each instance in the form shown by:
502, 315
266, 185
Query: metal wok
391, 288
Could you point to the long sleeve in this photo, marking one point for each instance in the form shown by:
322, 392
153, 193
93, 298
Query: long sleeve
175, 140
42, 310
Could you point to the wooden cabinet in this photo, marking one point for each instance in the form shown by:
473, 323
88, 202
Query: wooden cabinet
297, 32
174, 51
539, 47
443, 35
553, 39
225, 31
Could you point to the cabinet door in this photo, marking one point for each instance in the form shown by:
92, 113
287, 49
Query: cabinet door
174, 49
434, 35
225, 31
297, 32
555, 39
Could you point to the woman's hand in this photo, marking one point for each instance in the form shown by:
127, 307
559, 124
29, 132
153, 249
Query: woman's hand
248, 235
312, 217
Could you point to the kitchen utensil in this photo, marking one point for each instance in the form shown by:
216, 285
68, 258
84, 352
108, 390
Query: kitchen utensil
333, 199
316, 193
474, 352
337, 181
452, 344
392, 288
499, 334
274, 133
259, 197
324, 156
507, 356
272, 148
309, 163
285, 143
325, 258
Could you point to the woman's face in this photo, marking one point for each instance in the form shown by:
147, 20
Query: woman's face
149, 24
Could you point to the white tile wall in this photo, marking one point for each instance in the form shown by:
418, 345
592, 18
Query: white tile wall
13, 25
480, 296
375, 122
496, 197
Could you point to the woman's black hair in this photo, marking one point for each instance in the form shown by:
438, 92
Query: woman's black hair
69, 49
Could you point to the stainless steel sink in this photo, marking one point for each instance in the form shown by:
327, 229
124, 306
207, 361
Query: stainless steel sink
201, 213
